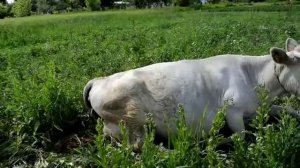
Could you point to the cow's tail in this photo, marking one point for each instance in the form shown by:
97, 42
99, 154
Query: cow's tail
86, 92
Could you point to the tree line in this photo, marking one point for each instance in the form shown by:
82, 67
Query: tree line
28, 7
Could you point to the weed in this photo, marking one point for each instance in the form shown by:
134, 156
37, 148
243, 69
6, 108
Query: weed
46, 60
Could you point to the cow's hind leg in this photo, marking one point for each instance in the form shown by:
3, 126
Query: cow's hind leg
138, 101
135, 133
136, 138
135, 120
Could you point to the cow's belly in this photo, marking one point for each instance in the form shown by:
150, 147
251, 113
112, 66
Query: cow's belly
200, 110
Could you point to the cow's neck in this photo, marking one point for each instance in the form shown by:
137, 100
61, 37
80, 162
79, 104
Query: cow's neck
261, 72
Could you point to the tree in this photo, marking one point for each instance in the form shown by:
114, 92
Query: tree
22, 8
75, 4
3, 11
93, 5
3, 2
140, 3
107, 3
182, 2
42, 6
61, 5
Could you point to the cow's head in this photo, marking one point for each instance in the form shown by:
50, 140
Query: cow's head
288, 66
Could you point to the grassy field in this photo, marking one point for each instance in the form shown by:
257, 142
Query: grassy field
45, 62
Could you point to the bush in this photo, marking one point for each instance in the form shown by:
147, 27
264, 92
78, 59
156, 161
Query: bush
272, 145
93, 5
3, 11
42, 6
236, 8
22, 8
182, 3
140, 3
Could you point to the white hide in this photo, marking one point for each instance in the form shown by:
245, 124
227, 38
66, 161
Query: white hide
201, 86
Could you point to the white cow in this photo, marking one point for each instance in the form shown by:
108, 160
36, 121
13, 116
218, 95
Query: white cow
199, 85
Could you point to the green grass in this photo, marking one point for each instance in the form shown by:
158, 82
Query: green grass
45, 62
253, 7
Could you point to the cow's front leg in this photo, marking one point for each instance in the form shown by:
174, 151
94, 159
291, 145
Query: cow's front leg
277, 110
235, 121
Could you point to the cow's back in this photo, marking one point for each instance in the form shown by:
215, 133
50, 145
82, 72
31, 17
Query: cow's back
199, 85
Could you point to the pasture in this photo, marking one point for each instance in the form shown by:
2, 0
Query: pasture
45, 61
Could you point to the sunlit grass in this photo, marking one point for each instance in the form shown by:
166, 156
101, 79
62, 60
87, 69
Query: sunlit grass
45, 61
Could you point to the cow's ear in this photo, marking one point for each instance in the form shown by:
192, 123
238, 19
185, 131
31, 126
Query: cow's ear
279, 55
290, 44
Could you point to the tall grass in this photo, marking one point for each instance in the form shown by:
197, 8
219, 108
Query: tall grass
254, 7
46, 60
272, 145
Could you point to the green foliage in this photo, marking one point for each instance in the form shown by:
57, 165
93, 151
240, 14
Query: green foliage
263, 110
184, 142
93, 5
188, 150
3, 11
42, 6
214, 158
214, 1
275, 145
182, 3
108, 155
151, 153
45, 62
22, 8
76, 4
223, 7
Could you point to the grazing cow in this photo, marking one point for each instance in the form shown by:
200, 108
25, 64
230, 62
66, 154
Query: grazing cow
201, 86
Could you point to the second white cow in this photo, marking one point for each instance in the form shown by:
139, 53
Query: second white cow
199, 85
